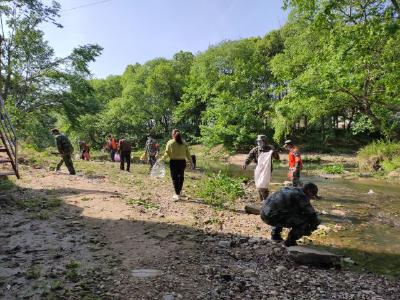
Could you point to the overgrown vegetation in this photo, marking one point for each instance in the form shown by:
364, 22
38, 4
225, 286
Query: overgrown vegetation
6, 184
379, 155
219, 190
333, 169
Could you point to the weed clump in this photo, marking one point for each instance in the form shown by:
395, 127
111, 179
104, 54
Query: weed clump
72, 271
33, 272
220, 190
147, 204
333, 169
379, 156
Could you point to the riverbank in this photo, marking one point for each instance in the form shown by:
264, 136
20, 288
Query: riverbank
72, 237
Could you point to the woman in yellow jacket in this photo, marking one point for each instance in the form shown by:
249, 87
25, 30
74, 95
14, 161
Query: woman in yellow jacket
177, 151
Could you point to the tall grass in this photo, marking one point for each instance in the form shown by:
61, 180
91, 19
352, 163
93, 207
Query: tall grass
384, 154
220, 191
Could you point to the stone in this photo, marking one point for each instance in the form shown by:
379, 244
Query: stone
168, 296
252, 209
338, 212
395, 173
254, 240
224, 244
348, 260
248, 272
280, 269
309, 256
145, 273
277, 251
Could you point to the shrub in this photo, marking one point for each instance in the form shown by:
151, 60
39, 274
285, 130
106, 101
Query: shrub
333, 169
379, 154
220, 190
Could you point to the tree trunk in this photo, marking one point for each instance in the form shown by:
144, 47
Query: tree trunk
396, 6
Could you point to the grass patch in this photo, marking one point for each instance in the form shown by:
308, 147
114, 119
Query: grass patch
219, 190
39, 203
56, 285
333, 169
147, 204
6, 184
72, 271
33, 272
379, 155
42, 215
30, 156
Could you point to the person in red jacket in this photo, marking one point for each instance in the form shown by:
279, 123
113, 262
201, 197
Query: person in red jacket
295, 163
112, 146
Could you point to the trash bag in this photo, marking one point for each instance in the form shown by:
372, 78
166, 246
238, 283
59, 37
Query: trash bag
143, 157
262, 173
117, 157
158, 169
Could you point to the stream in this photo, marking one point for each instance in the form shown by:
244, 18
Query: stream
360, 216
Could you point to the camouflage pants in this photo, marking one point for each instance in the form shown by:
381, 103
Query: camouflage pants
299, 227
152, 160
263, 194
296, 179
66, 158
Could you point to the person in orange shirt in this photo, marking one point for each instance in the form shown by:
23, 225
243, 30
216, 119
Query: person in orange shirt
112, 146
295, 163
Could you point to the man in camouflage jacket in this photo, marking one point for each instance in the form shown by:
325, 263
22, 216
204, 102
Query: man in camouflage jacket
262, 146
65, 150
290, 207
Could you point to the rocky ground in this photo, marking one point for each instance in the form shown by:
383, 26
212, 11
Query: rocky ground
109, 235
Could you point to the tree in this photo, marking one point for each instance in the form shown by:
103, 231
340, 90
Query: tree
339, 59
228, 94
32, 80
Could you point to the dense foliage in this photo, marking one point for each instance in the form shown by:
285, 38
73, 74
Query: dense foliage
331, 72
36, 85
379, 155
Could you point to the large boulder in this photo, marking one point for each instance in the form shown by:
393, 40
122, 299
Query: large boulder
252, 209
309, 256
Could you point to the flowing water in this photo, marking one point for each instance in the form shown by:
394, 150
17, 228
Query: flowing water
361, 215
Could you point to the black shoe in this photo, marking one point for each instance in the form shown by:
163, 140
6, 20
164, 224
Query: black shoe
290, 243
276, 238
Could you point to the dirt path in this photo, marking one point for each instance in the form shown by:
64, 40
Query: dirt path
83, 237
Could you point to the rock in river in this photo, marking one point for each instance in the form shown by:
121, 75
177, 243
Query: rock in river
314, 257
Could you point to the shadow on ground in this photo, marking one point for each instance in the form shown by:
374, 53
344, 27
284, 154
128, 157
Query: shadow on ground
71, 256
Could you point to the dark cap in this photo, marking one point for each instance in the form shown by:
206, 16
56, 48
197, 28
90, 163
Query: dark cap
309, 186
55, 130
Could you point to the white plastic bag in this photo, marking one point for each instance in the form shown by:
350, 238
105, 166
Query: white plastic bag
262, 173
158, 170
